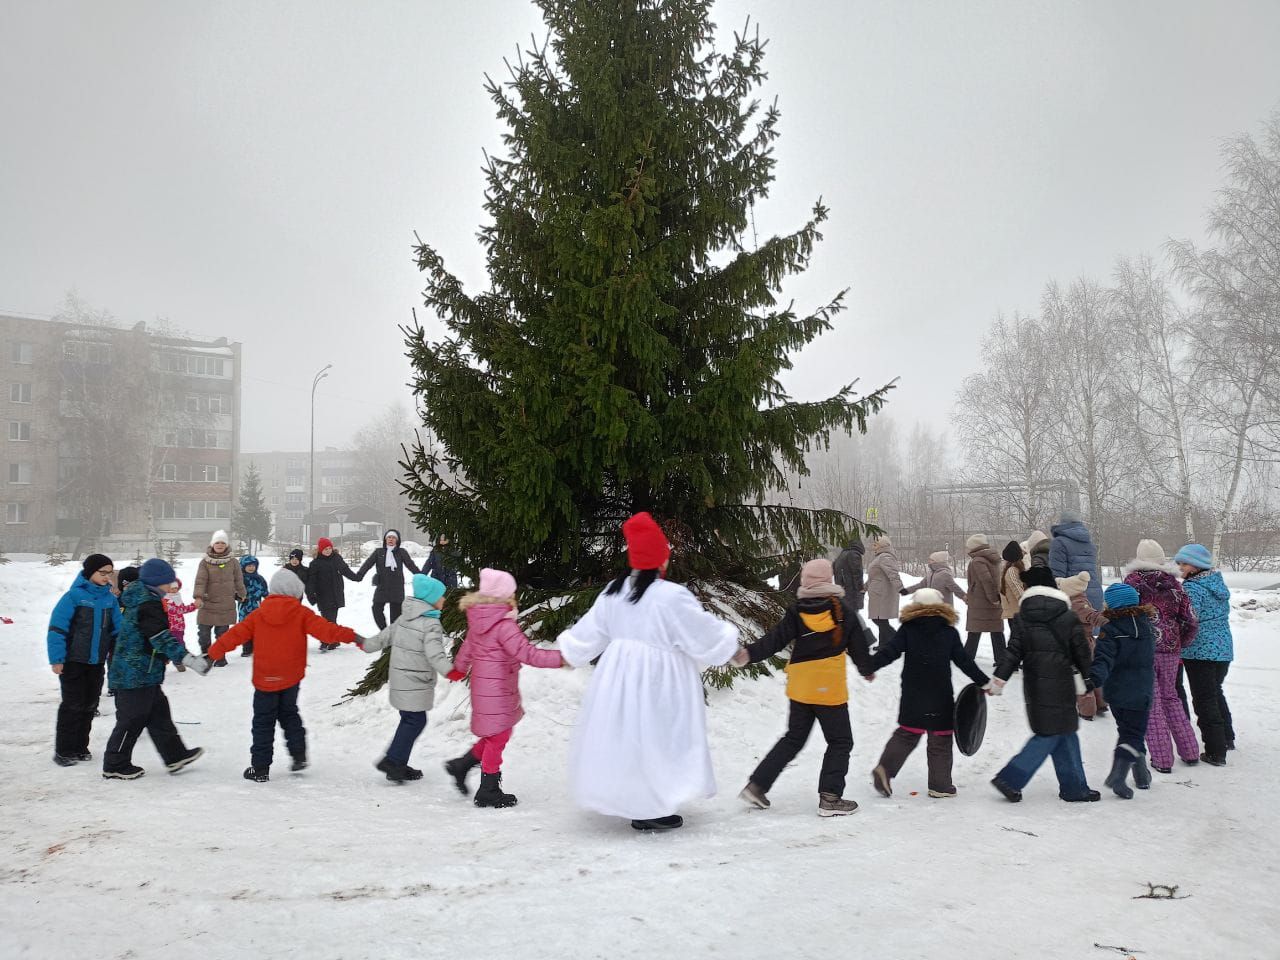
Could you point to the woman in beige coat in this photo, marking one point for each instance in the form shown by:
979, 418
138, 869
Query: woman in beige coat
219, 587
1011, 585
884, 581
986, 612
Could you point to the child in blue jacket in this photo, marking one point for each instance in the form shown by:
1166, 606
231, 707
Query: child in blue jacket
255, 591
1124, 668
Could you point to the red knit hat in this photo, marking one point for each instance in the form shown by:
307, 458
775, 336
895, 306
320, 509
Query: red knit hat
647, 546
324, 543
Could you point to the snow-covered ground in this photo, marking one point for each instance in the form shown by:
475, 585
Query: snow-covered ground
336, 862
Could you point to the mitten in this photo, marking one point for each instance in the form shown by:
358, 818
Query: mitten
994, 687
200, 665
903, 591
740, 658
454, 675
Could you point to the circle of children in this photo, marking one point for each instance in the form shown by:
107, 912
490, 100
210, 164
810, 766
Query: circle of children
639, 749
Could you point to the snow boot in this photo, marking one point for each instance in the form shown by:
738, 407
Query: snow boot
1141, 772
299, 763
62, 761
192, 756
124, 773
220, 663
753, 796
1193, 762
1089, 796
942, 794
657, 824
256, 775
490, 793
1213, 761
459, 768
83, 757
1010, 794
396, 772
830, 805
1121, 763
881, 781
413, 772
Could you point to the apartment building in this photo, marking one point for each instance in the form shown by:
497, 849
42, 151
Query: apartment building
286, 484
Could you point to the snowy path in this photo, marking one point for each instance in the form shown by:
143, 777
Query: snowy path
336, 862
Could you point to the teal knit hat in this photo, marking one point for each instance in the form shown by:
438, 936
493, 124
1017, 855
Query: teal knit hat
1196, 555
427, 589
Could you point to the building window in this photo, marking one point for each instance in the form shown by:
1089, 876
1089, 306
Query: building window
20, 393
295, 498
198, 439
197, 365
196, 473
275, 483
195, 510
207, 403
86, 351
169, 472
15, 513
332, 497
293, 480
19, 429
22, 353
19, 473
275, 501
295, 464
293, 515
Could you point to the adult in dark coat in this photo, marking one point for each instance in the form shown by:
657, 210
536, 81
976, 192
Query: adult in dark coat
1046, 641
1072, 551
389, 562
848, 569
930, 643
442, 564
324, 587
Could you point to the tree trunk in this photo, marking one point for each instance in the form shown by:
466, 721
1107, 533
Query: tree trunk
1229, 502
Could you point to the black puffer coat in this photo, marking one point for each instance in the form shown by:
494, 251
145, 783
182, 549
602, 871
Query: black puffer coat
929, 641
1046, 640
388, 584
324, 585
848, 571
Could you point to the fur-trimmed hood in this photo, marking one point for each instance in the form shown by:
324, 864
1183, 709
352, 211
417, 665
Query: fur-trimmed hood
1052, 593
1138, 566
479, 599
1123, 612
916, 610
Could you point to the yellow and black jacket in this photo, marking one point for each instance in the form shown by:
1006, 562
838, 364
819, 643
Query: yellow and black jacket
820, 633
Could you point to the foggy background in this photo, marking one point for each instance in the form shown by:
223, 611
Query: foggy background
256, 171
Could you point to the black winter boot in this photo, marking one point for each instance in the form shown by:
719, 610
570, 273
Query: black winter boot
396, 772
1141, 772
1121, 763
459, 768
657, 824
490, 793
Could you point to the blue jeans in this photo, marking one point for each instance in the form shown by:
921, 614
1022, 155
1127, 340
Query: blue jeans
1064, 748
412, 723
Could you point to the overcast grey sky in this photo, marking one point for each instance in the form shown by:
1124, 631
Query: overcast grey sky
257, 170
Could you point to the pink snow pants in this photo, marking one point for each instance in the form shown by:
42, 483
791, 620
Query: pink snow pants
1168, 717
488, 750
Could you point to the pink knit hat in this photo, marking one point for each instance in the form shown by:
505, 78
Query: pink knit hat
816, 572
497, 584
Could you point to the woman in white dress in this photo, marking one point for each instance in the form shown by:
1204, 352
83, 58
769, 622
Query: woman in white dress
640, 746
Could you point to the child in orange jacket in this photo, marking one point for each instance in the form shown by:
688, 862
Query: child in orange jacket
279, 629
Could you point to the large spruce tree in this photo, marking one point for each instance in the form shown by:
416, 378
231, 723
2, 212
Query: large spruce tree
626, 354
252, 521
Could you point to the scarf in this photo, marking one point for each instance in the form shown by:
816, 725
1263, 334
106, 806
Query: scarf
391, 557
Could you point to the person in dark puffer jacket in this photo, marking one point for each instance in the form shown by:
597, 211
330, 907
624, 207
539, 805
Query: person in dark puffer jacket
388, 564
323, 584
295, 565
1124, 667
848, 572
255, 591
930, 643
1046, 641
82, 631
821, 633
143, 650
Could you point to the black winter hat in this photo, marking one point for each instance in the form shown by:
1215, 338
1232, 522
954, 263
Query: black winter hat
1012, 551
125, 577
95, 562
295, 552
1039, 577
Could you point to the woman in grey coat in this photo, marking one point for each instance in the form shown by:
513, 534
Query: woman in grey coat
884, 581
418, 655
938, 577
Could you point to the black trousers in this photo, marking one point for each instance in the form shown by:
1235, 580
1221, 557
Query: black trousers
330, 613
1213, 716
379, 618
886, 632
269, 708
834, 721
207, 632
146, 708
938, 753
81, 687
1131, 729
997, 645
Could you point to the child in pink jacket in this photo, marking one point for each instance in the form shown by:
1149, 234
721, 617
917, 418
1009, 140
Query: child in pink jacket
493, 650
177, 610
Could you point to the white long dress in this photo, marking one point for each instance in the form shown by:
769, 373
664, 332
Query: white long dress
640, 746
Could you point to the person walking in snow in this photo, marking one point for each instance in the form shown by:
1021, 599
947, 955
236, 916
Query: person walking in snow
1072, 551
442, 565
255, 591
388, 563
492, 653
1015, 561
295, 565
1091, 621
143, 649
324, 586
1208, 657
82, 632
1037, 550
938, 577
1045, 640
279, 628
418, 656
1124, 661
985, 613
1155, 579
821, 634
639, 748
219, 587
884, 586
848, 572
928, 640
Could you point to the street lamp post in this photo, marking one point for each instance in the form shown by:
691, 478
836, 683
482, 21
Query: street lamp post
311, 474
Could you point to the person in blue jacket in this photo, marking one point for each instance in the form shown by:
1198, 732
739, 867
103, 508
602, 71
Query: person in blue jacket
255, 591
1124, 667
1209, 656
82, 632
1072, 551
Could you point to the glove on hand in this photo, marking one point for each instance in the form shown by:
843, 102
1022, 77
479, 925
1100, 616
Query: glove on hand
994, 687
200, 665
455, 675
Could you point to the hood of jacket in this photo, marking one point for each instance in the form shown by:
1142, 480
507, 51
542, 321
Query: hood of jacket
915, 611
485, 613
278, 609
1043, 604
245, 561
136, 594
986, 552
937, 565
1075, 530
399, 539
857, 546
1210, 582
413, 608
91, 592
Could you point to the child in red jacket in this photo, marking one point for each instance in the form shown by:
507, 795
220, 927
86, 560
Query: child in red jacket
279, 629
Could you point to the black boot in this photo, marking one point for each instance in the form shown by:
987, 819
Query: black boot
396, 772
490, 793
459, 768
1010, 794
1121, 763
673, 822
1141, 772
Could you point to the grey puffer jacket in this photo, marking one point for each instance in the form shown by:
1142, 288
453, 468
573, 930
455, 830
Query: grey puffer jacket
417, 656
